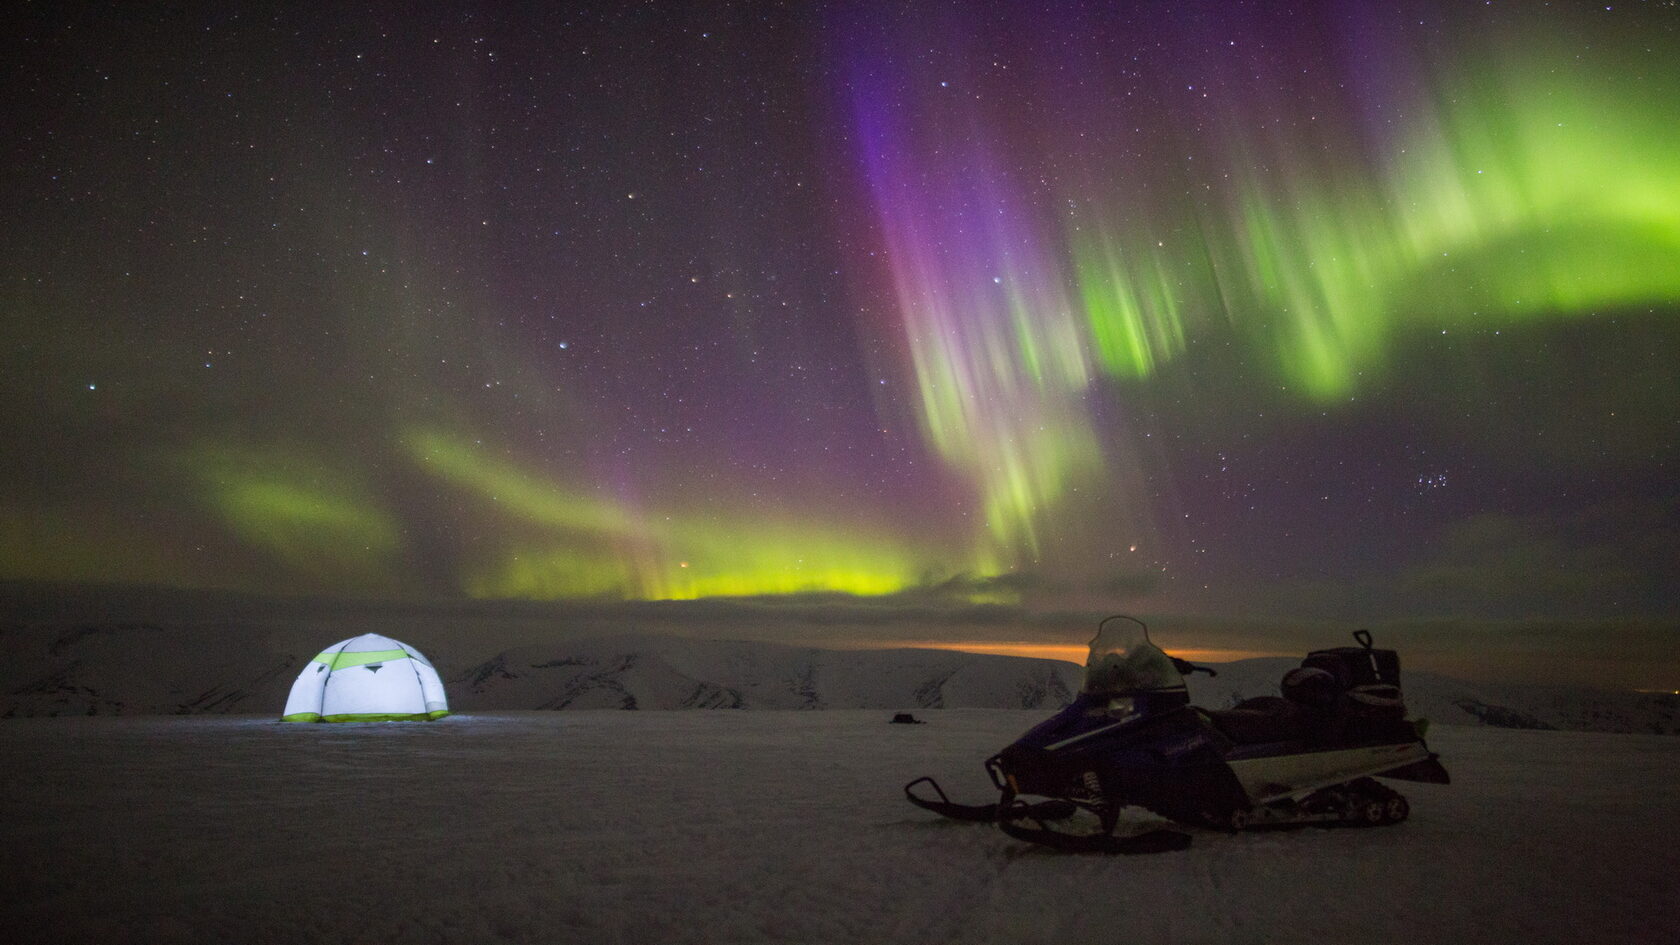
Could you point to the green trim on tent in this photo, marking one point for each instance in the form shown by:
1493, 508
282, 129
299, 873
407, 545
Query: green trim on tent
367, 717
386, 716
347, 660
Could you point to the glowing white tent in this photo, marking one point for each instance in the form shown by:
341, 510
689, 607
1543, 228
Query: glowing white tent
370, 678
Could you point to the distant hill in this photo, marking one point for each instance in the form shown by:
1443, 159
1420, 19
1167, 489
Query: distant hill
150, 669
145, 669
672, 673
1455, 702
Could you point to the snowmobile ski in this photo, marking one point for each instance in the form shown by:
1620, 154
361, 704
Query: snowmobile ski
982, 813
979, 813
1014, 813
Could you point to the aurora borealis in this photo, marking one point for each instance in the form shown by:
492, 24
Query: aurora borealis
1220, 312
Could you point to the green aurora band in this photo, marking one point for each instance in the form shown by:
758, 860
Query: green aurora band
1528, 193
568, 543
1529, 200
1525, 188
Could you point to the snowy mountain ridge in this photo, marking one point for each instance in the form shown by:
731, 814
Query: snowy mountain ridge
672, 673
145, 669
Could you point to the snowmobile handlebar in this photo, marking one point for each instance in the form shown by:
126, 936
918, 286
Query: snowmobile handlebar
1186, 667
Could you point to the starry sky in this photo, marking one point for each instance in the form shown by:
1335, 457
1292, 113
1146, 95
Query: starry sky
1245, 316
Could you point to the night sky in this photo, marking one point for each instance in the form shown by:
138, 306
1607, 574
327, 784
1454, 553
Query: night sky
1238, 315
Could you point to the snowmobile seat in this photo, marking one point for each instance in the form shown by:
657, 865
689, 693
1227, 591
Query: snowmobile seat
1267, 704
1265, 719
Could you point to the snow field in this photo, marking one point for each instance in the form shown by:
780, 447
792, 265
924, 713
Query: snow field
699, 827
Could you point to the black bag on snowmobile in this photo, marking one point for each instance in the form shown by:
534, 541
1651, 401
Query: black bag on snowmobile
1370, 677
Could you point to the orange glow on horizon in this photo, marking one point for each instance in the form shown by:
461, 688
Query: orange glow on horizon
1067, 652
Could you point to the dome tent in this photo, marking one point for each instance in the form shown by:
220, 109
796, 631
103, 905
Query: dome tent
370, 678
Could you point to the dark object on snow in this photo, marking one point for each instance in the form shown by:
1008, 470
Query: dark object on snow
905, 718
1133, 738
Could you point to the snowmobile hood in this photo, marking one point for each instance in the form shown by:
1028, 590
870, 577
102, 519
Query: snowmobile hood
1088, 717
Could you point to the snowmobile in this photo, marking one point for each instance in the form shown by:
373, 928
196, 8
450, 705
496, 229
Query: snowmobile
1132, 738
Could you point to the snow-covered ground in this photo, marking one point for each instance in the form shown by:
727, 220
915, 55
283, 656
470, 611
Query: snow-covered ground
670, 827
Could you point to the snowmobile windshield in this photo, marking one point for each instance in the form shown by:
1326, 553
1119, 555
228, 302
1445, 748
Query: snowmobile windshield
1123, 660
